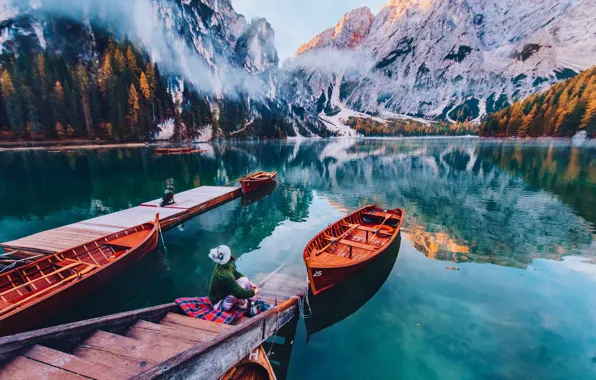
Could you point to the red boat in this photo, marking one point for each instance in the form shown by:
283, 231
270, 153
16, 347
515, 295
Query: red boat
177, 150
349, 245
32, 293
256, 180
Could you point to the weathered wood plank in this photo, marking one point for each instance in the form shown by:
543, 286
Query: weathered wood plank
152, 332
12, 344
125, 354
211, 359
178, 319
72, 363
22, 368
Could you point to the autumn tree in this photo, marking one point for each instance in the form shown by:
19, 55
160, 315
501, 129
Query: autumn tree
85, 102
133, 109
12, 102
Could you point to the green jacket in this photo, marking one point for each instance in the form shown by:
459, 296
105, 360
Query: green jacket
223, 284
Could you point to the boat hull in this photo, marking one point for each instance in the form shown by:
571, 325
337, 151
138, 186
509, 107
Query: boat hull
323, 276
34, 314
249, 185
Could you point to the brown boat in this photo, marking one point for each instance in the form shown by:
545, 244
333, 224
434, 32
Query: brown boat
349, 245
32, 293
255, 366
256, 180
177, 150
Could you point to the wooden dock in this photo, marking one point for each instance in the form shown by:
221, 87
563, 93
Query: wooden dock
188, 205
157, 342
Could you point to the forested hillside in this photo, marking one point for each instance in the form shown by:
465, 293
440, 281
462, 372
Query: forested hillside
120, 96
395, 127
563, 110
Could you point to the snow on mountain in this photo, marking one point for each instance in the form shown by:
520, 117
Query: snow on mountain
448, 59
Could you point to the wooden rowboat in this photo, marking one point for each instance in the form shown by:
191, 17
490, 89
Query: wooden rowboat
354, 292
32, 293
255, 366
177, 150
349, 245
256, 180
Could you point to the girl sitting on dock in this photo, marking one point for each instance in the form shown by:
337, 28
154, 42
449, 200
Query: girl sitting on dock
229, 287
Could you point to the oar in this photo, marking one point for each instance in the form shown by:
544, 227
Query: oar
379, 229
336, 239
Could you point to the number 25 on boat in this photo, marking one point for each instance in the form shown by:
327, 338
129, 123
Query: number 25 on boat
350, 244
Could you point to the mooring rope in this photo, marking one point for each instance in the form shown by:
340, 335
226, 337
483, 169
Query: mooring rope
15, 262
284, 185
163, 242
302, 301
275, 334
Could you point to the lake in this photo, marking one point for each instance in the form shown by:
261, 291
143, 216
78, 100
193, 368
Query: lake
495, 275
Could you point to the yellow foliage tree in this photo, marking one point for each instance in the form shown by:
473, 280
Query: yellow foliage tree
6, 81
133, 102
144, 85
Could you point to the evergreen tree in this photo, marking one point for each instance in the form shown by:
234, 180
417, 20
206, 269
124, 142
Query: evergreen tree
83, 81
588, 122
133, 110
12, 103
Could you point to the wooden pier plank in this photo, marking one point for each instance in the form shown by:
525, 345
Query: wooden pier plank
152, 332
177, 319
22, 368
70, 236
125, 354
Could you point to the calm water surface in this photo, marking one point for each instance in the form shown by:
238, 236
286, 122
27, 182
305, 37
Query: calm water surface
495, 276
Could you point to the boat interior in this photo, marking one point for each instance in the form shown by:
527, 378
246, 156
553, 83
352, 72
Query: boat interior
258, 176
355, 238
26, 283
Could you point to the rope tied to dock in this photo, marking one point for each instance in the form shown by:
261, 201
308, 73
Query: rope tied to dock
275, 334
165, 249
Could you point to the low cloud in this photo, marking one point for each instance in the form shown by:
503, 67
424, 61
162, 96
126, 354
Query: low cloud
142, 22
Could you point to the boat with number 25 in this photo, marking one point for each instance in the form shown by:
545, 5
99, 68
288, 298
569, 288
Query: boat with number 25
350, 244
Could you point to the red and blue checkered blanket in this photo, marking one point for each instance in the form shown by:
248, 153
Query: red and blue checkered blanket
200, 307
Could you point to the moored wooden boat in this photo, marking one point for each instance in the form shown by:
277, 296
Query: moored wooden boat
352, 293
256, 180
349, 245
32, 293
255, 366
177, 150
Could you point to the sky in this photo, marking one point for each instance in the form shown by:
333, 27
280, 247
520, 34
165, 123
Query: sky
298, 21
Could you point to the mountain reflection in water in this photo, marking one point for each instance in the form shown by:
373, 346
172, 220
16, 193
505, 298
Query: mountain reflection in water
466, 199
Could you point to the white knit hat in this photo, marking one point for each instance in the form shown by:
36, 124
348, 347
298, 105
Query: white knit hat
221, 255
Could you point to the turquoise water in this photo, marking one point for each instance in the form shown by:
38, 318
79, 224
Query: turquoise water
495, 276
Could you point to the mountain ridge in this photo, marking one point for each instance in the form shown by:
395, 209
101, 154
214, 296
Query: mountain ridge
453, 60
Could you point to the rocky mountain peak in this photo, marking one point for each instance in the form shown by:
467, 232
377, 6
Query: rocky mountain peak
256, 47
349, 32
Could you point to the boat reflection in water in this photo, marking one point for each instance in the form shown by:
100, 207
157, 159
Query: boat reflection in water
258, 194
347, 297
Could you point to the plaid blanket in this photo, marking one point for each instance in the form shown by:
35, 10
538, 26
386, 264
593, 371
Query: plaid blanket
201, 308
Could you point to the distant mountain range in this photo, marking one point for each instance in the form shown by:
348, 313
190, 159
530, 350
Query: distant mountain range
416, 60
444, 59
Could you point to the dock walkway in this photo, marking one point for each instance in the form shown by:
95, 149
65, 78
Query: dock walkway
188, 205
157, 342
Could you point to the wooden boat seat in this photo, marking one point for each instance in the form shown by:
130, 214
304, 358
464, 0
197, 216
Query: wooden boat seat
129, 241
357, 245
331, 259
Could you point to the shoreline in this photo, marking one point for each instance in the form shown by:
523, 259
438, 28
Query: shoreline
57, 146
